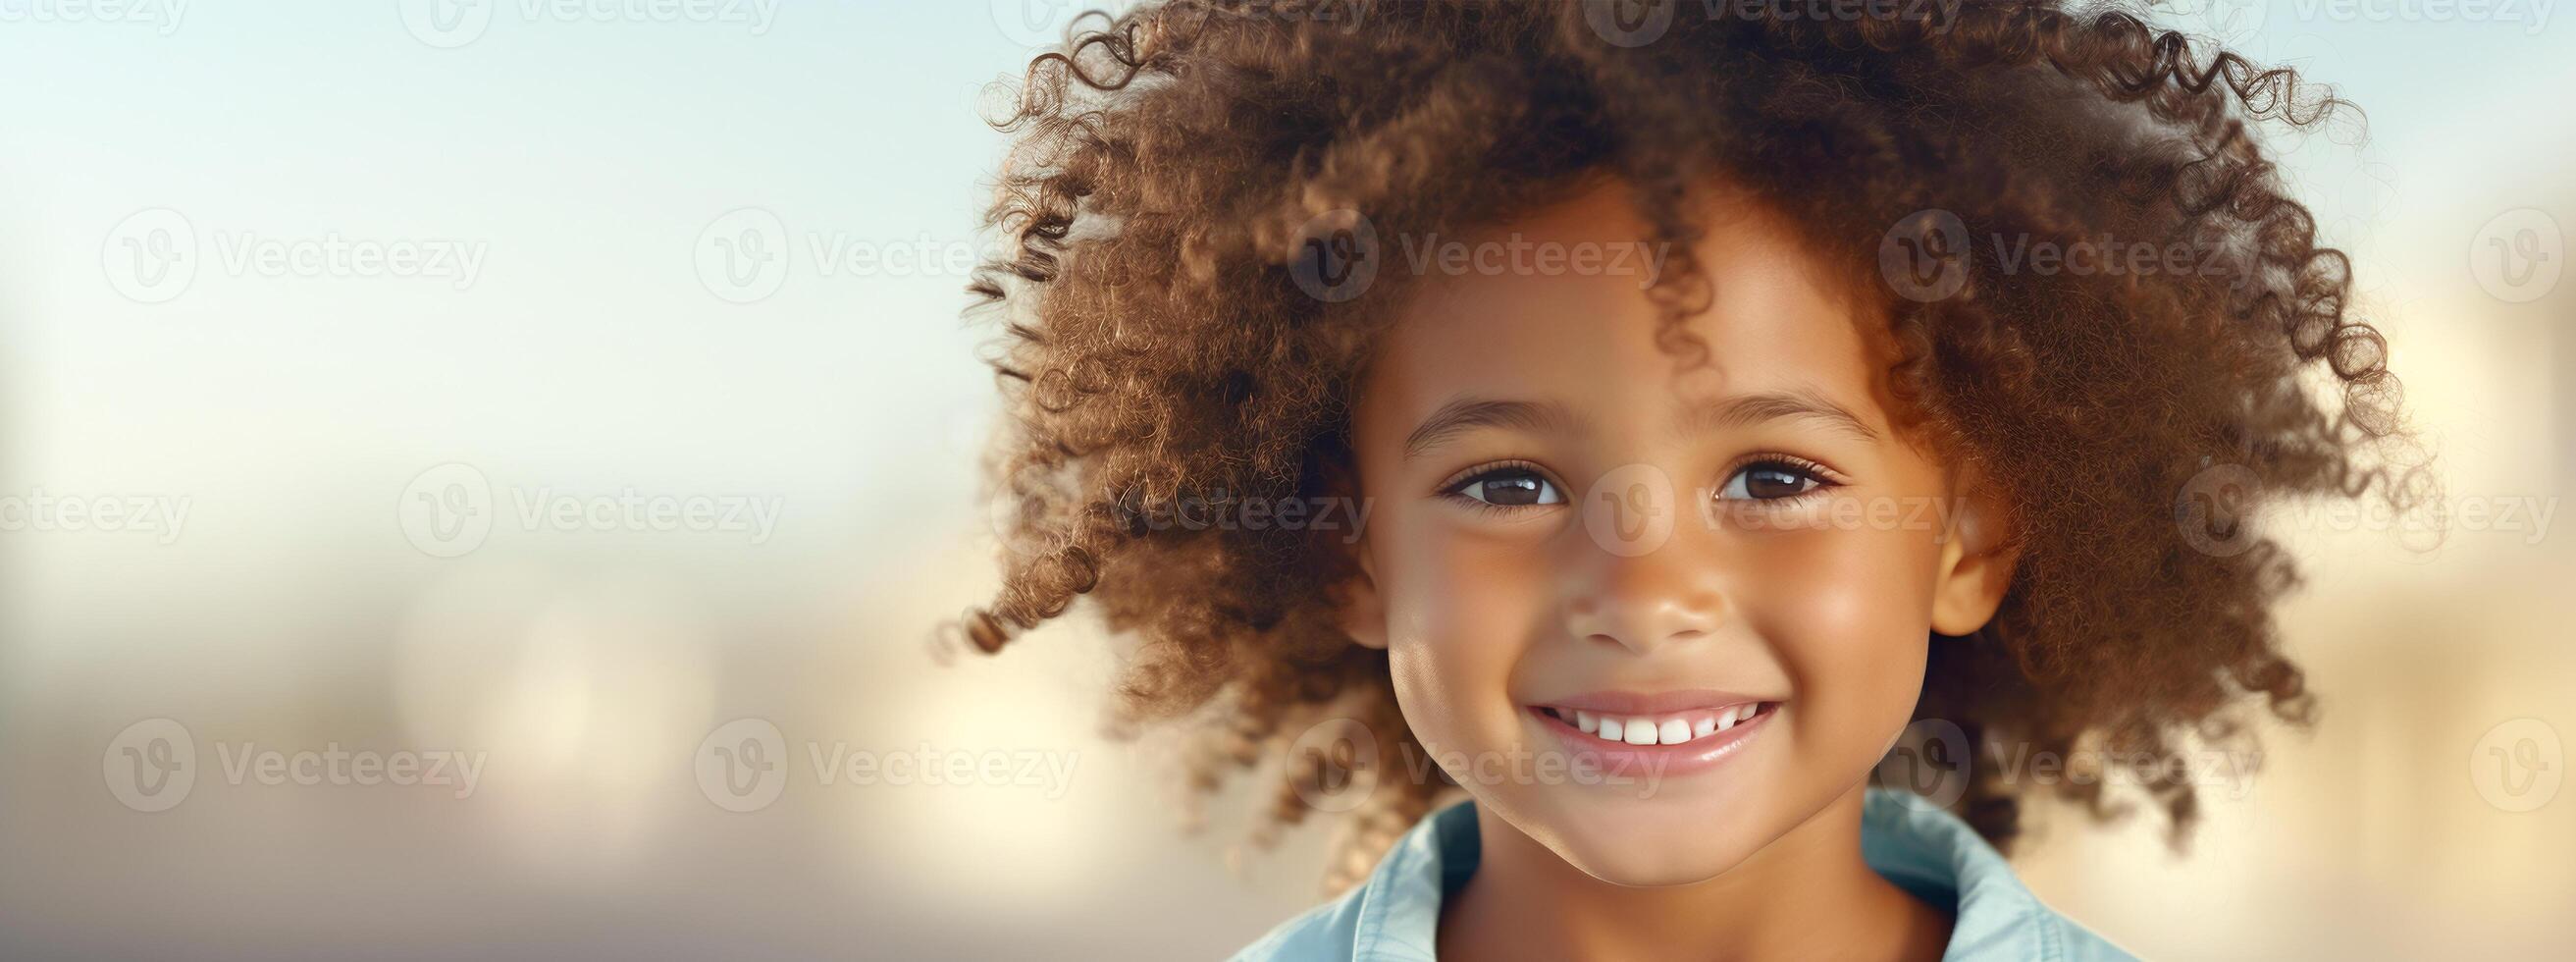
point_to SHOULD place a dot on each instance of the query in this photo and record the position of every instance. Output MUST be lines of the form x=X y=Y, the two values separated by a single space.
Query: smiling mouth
x=1665 y=728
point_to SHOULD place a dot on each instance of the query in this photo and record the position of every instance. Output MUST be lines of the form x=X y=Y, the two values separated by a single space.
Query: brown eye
x=1770 y=481
x=1510 y=488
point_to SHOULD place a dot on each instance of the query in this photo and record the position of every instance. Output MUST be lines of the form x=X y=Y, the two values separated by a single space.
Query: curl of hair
x=1156 y=348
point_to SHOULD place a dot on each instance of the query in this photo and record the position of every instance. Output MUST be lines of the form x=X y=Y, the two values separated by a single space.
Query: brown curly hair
x=1157 y=345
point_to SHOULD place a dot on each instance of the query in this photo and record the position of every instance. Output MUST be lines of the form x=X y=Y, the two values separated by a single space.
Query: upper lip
x=1650 y=703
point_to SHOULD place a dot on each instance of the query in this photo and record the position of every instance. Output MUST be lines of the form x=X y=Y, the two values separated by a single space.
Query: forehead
x=1576 y=325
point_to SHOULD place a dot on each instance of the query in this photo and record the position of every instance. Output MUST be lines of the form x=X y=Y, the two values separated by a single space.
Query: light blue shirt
x=1395 y=915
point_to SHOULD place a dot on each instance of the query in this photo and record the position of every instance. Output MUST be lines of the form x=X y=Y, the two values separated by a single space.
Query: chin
x=1650 y=842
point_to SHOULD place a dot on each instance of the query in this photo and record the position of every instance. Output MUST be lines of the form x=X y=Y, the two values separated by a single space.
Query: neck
x=1807 y=894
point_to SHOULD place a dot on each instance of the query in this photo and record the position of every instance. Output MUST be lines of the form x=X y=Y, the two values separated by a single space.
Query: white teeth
x=1638 y=731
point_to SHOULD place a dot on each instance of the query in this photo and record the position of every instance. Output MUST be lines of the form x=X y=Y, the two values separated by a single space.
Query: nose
x=1643 y=601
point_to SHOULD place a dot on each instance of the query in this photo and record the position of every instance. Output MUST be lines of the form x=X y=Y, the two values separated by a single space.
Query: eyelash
x=1823 y=477
x=1456 y=487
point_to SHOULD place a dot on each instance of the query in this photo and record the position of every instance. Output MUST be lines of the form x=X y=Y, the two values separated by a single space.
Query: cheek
x=1848 y=612
x=1460 y=612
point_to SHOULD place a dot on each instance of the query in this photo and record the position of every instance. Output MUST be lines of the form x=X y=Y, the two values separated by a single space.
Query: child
x=1714 y=397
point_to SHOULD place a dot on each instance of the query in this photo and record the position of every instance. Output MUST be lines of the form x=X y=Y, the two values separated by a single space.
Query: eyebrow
x=1803 y=403
x=1465 y=414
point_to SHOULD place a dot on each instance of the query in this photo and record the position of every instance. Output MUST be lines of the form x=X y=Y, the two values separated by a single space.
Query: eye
x=1507 y=486
x=1772 y=479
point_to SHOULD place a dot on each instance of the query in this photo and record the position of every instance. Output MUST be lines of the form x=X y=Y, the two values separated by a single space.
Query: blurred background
x=478 y=477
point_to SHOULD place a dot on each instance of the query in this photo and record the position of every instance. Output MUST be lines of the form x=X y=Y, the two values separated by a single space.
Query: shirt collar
x=1906 y=839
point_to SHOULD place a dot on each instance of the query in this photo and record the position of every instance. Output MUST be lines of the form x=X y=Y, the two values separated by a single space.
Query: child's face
x=1658 y=545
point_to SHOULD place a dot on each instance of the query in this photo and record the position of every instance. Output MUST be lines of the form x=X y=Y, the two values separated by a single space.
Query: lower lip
x=1690 y=757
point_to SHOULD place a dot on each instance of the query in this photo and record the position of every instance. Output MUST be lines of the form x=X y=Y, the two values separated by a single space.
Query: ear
x=1978 y=553
x=1357 y=606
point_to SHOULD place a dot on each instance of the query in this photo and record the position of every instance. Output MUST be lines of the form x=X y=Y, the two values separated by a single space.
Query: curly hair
x=1157 y=346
